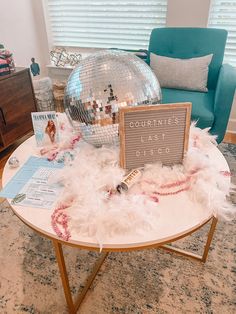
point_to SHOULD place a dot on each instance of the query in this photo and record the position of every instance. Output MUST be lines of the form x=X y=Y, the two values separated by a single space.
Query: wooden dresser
x=17 y=101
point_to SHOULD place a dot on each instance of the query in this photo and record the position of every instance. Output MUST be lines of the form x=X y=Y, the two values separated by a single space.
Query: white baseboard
x=231 y=128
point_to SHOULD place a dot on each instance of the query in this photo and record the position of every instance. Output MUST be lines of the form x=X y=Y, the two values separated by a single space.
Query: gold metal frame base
x=201 y=258
x=73 y=306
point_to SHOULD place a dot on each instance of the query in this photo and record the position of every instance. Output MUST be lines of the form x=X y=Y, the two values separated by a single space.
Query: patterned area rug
x=141 y=282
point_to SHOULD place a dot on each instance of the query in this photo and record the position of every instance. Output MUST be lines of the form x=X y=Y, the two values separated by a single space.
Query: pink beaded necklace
x=59 y=222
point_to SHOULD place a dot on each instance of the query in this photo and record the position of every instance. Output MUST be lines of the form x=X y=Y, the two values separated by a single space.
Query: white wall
x=187 y=13
x=232 y=119
x=22 y=31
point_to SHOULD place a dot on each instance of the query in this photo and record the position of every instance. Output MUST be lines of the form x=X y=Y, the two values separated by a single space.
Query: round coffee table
x=176 y=221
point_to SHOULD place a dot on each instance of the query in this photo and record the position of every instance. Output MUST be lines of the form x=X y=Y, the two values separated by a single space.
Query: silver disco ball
x=101 y=84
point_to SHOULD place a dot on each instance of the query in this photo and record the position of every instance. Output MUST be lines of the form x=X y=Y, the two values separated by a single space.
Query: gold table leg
x=202 y=257
x=74 y=306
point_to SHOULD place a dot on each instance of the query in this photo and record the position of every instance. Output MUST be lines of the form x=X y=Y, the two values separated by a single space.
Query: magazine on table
x=31 y=186
x=45 y=128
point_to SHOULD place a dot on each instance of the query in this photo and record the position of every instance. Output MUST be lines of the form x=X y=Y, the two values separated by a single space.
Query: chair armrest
x=224 y=96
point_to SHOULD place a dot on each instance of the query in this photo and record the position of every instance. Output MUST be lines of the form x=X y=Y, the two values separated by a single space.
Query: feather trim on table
x=94 y=209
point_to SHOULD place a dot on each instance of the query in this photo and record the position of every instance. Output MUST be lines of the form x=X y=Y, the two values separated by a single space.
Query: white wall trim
x=231 y=126
x=47 y=24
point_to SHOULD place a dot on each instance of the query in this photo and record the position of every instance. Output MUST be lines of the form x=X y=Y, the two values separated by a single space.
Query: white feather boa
x=95 y=171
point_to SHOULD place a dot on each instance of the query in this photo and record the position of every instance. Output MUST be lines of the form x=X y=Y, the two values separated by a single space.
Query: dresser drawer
x=16 y=104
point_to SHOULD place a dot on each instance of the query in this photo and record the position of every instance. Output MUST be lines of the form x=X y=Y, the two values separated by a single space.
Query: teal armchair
x=210 y=109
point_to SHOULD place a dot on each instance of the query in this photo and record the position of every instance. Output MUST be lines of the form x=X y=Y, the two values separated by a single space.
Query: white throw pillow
x=189 y=74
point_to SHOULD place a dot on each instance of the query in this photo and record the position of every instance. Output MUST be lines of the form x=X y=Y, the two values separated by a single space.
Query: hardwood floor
x=5 y=154
x=230 y=138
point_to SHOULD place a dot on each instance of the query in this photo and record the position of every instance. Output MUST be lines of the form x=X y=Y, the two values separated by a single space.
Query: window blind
x=124 y=24
x=223 y=15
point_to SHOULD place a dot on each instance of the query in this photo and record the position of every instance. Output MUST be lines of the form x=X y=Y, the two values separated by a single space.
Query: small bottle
x=129 y=180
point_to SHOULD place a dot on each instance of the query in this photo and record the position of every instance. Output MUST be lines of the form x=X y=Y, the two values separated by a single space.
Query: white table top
x=177 y=214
